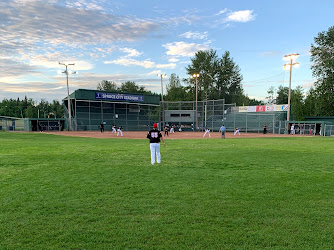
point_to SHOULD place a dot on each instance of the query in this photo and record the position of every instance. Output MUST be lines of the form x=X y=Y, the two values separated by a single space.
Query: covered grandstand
x=133 y=112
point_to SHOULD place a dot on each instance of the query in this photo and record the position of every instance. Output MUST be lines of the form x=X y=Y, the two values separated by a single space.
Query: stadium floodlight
x=67 y=72
x=288 y=66
x=162 y=99
x=196 y=75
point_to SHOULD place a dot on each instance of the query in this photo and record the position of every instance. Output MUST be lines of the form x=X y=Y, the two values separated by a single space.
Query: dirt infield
x=177 y=135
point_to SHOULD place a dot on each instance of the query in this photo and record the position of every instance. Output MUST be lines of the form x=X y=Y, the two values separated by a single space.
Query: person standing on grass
x=223 y=130
x=102 y=127
x=154 y=136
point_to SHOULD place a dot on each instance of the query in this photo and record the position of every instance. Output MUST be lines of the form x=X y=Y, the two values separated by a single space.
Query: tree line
x=28 y=108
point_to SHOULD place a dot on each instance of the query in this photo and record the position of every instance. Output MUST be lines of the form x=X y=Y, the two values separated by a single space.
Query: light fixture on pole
x=68 y=92
x=196 y=75
x=288 y=66
x=162 y=99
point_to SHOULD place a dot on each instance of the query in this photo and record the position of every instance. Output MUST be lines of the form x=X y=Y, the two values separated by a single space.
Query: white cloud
x=166 y=66
x=178 y=49
x=131 y=52
x=154 y=73
x=221 y=12
x=146 y=63
x=173 y=59
x=242 y=16
x=128 y=62
x=195 y=35
x=51 y=60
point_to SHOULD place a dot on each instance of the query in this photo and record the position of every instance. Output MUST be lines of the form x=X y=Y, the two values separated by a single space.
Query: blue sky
x=125 y=40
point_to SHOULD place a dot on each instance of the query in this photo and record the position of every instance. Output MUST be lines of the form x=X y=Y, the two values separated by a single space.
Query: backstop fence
x=210 y=114
x=89 y=114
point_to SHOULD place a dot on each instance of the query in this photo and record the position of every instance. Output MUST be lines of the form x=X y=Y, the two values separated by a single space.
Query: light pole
x=68 y=92
x=288 y=66
x=162 y=100
x=196 y=75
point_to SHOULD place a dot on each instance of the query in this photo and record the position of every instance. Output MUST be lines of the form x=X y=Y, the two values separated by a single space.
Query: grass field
x=83 y=193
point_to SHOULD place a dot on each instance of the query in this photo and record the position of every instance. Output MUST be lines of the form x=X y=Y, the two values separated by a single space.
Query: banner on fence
x=263 y=108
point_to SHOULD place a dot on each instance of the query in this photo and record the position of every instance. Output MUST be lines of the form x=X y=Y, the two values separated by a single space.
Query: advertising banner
x=282 y=107
x=261 y=108
x=270 y=108
x=243 y=108
x=251 y=109
x=119 y=97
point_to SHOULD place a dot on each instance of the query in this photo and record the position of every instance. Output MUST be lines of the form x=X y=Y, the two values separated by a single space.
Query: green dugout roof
x=114 y=96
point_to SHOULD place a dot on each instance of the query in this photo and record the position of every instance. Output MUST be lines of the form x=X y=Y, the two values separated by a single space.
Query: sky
x=124 y=40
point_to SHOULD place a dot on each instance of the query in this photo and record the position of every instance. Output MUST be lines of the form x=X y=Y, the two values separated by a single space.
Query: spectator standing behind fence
x=102 y=127
x=264 y=129
x=223 y=130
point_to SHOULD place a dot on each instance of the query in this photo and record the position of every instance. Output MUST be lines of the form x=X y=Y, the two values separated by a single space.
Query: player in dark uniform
x=166 y=130
x=154 y=136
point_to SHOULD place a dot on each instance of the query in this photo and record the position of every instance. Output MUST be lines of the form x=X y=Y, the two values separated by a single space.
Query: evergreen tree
x=322 y=56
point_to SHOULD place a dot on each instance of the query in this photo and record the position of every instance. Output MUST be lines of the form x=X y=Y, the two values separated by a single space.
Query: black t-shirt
x=154 y=135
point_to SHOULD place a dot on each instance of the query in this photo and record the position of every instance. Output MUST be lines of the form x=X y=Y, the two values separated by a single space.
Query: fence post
x=246 y=122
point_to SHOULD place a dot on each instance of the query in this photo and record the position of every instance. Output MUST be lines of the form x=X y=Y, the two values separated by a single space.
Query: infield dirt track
x=177 y=135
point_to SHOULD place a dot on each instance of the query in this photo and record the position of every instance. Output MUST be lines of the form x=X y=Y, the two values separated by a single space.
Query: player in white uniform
x=114 y=129
x=119 y=130
x=207 y=131
x=155 y=135
x=293 y=129
x=172 y=129
x=236 y=131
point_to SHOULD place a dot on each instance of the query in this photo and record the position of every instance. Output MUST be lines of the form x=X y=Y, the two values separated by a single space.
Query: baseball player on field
x=114 y=129
x=207 y=131
x=119 y=130
x=236 y=131
x=154 y=136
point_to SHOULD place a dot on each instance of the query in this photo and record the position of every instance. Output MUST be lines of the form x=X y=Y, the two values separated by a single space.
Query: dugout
x=181 y=118
x=11 y=123
x=44 y=124
x=133 y=112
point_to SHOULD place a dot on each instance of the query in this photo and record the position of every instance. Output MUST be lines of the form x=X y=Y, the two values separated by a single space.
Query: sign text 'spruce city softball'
x=119 y=97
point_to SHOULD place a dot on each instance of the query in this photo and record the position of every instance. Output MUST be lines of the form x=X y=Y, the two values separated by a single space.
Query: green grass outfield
x=83 y=193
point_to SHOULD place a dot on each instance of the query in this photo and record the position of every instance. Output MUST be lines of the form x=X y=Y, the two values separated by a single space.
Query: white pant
x=119 y=131
x=113 y=130
x=155 y=148
x=206 y=132
x=237 y=131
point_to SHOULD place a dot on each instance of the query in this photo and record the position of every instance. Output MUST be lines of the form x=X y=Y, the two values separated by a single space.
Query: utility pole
x=68 y=93
x=288 y=66
x=196 y=75
x=162 y=100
